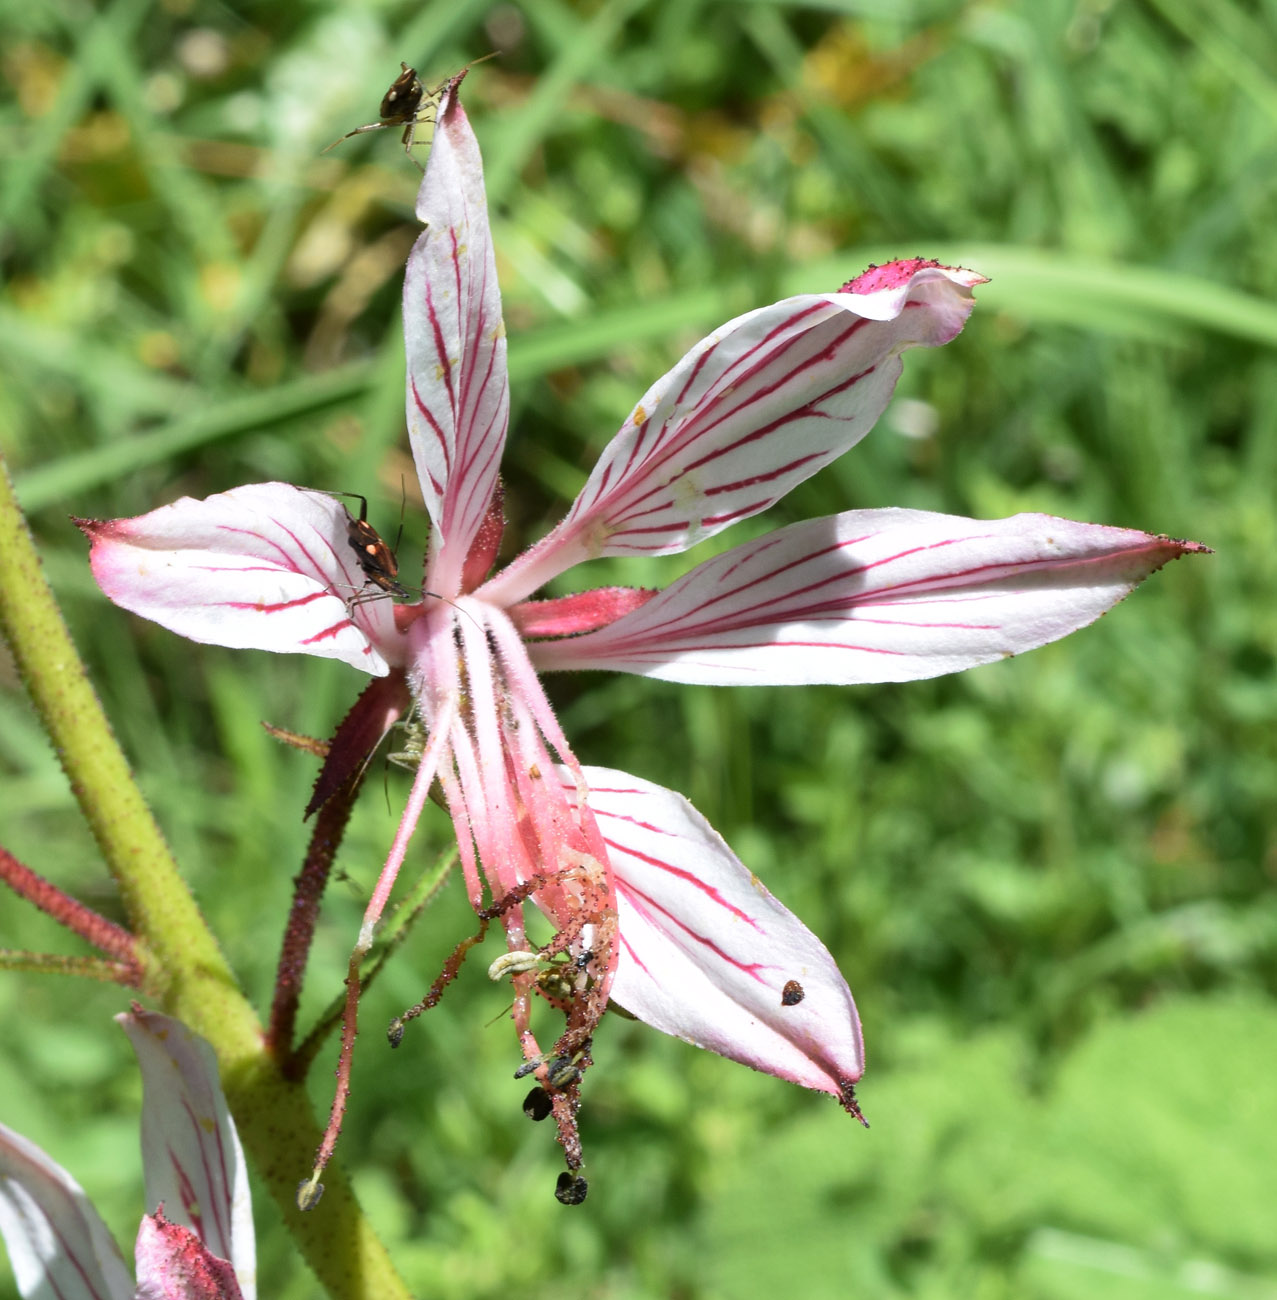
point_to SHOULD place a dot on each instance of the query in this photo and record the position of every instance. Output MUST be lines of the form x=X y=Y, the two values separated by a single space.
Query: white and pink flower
x=650 y=906
x=196 y=1242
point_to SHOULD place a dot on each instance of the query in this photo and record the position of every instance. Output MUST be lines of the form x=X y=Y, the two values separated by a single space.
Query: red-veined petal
x=458 y=389
x=706 y=952
x=58 y=1244
x=190 y=1152
x=754 y=409
x=267 y=566
x=874 y=596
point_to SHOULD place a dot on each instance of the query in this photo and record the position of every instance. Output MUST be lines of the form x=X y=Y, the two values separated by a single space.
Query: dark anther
x=537 y=1104
x=308 y=1194
x=792 y=994
x=570 y=1189
x=562 y=1072
x=396 y=1031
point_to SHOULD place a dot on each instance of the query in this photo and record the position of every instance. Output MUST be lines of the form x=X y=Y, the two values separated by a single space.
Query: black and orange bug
x=376 y=559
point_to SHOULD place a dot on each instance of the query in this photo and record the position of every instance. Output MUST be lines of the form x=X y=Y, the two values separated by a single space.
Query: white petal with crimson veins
x=458 y=388
x=190 y=1152
x=267 y=566
x=58 y=1244
x=757 y=407
x=873 y=596
x=706 y=952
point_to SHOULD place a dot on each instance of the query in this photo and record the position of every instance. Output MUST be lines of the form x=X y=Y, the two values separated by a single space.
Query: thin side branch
x=129 y=974
x=107 y=937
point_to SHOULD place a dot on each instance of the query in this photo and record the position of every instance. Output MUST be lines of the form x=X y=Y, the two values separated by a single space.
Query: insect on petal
x=267 y=566
x=458 y=388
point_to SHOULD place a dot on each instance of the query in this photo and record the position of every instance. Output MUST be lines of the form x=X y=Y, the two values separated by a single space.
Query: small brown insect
x=376 y=559
x=792 y=994
x=406 y=103
x=400 y=106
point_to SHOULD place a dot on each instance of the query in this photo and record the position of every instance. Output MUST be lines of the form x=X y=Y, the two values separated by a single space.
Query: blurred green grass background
x=1049 y=882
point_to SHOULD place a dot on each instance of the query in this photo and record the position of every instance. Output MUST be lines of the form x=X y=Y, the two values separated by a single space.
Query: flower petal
x=173 y=1264
x=58 y=1244
x=266 y=567
x=191 y=1155
x=458 y=388
x=707 y=953
x=757 y=407
x=874 y=596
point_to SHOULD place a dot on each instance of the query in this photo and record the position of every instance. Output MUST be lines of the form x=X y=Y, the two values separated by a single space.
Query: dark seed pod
x=792 y=994
x=537 y=1104
x=570 y=1189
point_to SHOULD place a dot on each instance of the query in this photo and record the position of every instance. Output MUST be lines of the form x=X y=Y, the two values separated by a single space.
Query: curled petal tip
x=895 y=275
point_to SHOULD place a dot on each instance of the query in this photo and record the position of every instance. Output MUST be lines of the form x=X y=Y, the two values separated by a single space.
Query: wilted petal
x=874 y=596
x=191 y=1155
x=757 y=407
x=706 y=952
x=266 y=567
x=173 y=1264
x=458 y=390
x=58 y=1244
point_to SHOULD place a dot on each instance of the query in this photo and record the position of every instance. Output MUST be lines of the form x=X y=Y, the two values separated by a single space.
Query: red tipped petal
x=569 y=615
x=707 y=954
x=757 y=407
x=265 y=567
x=874 y=596
x=458 y=390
